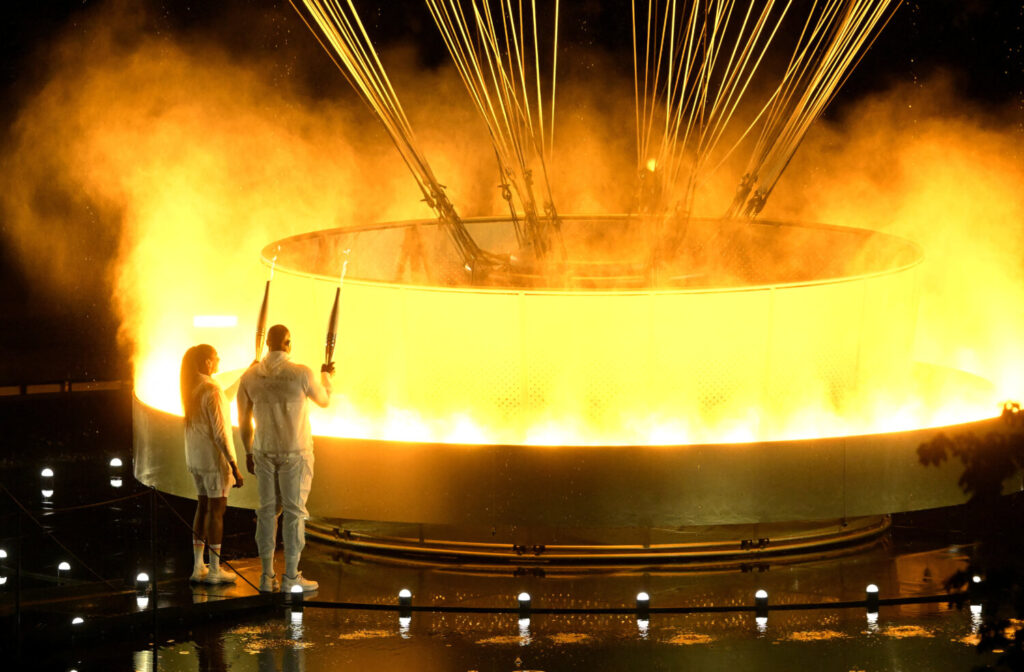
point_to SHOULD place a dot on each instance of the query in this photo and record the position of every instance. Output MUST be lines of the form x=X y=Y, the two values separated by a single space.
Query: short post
x=761 y=603
x=871 y=598
x=18 y=552
x=524 y=604
x=643 y=606
x=405 y=603
x=154 y=564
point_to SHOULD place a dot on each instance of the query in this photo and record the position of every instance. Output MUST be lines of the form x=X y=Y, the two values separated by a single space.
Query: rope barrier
x=220 y=558
x=52 y=512
x=82 y=507
x=28 y=514
x=460 y=609
x=804 y=606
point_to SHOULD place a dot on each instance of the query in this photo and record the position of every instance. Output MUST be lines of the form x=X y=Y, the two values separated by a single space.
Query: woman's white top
x=208 y=444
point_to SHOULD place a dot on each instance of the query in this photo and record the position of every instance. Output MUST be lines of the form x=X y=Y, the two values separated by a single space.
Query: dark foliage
x=990 y=462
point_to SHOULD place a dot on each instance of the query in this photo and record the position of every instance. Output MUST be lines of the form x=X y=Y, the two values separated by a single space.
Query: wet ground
x=459 y=620
x=348 y=640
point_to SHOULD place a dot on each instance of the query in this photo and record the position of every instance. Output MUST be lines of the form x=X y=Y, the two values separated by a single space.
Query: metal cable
x=208 y=547
x=452 y=609
x=28 y=514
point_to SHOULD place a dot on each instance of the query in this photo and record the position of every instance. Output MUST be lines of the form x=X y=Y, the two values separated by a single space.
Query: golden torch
x=261 y=321
x=332 y=321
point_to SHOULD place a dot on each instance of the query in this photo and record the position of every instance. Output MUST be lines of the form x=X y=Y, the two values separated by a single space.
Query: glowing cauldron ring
x=501 y=487
x=494 y=490
x=509 y=355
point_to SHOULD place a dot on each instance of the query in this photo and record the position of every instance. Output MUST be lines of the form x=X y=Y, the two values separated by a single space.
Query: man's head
x=279 y=338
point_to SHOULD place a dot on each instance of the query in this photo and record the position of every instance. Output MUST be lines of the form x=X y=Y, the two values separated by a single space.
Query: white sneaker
x=220 y=575
x=298 y=580
x=269 y=584
x=199 y=573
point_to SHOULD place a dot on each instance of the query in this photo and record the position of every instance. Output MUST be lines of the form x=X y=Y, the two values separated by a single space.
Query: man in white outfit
x=274 y=391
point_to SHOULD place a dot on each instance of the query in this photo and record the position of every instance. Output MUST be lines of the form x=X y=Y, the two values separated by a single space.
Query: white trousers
x=283 y=481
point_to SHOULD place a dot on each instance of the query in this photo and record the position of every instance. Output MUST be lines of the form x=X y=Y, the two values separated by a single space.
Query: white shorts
x=213 y=483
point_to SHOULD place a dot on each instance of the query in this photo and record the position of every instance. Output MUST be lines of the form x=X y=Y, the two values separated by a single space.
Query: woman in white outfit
x=209 y=456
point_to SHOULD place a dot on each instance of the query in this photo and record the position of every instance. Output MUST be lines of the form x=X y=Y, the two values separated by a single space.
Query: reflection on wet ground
x=349 y=640
x=925 y=636
x=807 y=624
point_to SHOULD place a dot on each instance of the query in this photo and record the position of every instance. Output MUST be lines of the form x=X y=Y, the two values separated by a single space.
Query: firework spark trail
x=344 y=38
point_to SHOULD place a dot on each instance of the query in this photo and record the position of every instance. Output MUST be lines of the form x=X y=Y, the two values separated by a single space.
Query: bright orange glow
x=569 y=367
x=169 y=167
x=215 y=321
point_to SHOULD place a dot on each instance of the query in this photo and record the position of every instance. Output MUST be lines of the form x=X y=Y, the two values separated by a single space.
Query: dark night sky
x=979 y=42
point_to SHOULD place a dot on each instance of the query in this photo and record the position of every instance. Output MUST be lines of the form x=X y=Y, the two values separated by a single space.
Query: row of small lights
x=643 y=606
x=643 y=603
x=643 y=600
x=116 y=477
x=46 y=477
x=64 y=567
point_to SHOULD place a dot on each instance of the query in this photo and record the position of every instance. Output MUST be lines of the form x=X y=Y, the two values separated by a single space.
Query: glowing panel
x=821 y=347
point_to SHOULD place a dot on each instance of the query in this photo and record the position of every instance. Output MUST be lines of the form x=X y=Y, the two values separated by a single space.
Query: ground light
x=296 y=611
x=524 y=605
x=404 y=604
x=46 y=478
x=871 y=598
x=116 y=478
x=761 y=603
x=62 y=571
x=142 y=589
x=643 y=605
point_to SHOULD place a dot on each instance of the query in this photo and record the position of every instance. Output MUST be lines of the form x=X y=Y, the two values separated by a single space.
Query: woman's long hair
x=190 y=363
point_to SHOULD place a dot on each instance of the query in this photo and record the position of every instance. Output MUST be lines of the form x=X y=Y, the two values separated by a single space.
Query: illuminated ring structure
x=831 y=316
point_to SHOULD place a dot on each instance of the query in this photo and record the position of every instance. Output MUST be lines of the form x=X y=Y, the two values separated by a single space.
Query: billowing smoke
x=145 y=161
x=919 y=162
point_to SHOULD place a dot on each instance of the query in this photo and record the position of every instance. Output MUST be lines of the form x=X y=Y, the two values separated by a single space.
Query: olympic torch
x=332 y=322
x=261 y=322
